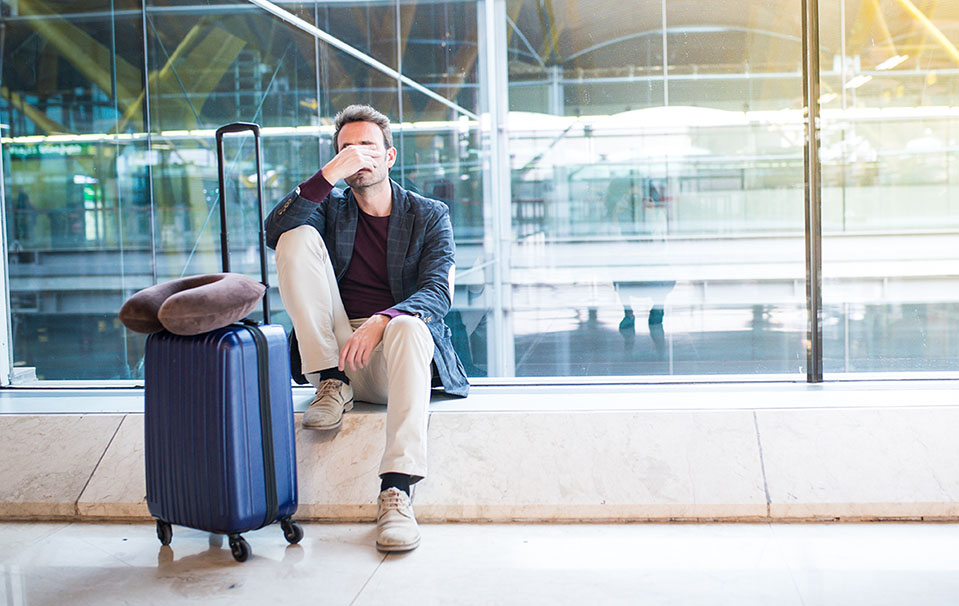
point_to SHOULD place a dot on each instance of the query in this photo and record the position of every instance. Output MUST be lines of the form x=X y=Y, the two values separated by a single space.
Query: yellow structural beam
x=862 y=26
x=513 y=9
x=936 y=33
x=89 y=56
x=927 y=9
x=204 y=67
x=45 y=123
x=550 y=47
x=885 y=29
x=38 y=117
x=200 y=60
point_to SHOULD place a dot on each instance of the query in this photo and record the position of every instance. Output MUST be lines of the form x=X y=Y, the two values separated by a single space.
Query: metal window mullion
x=813 y=186
x=316 y=65
x=498 y=237
x=118 y=216
x=399 y=90
x=6 y=311
x=665 y=58
x=148 y=127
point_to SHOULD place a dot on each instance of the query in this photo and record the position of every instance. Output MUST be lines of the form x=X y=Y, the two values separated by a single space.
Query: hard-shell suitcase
x=219 y=436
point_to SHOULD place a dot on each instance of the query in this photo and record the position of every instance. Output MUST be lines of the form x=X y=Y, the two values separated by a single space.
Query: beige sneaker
x=333 y=398
x=396 y=527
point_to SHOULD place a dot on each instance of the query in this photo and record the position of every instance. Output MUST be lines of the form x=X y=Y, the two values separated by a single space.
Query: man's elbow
x=272 y=237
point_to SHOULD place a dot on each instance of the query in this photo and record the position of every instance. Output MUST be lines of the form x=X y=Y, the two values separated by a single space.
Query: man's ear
x=390 y=157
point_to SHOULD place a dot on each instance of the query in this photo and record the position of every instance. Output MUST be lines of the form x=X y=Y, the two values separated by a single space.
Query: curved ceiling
x=595 y=34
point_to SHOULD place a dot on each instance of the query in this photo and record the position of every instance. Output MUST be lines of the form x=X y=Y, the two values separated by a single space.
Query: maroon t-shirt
x=365 y=287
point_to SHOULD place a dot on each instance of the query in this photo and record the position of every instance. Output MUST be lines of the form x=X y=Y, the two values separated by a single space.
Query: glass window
x=108 y=193
x=657 y=189
x=77 y=212
x=890 y=135
x=643 y=217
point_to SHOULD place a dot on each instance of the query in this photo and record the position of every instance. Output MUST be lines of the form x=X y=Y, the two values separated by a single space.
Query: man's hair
x=362 y=113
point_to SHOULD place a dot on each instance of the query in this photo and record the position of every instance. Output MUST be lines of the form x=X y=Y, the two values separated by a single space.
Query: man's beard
x=364 y=180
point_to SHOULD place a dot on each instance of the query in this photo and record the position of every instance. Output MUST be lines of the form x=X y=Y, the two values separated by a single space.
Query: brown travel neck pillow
x=193 y=305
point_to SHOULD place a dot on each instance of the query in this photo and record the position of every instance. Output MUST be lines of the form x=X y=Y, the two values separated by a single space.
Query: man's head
x=362 y=125
x=362 y=113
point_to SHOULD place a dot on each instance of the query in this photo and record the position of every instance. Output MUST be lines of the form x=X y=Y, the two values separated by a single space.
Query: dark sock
x=395 y=480
x=656 y=315
x=334 y=373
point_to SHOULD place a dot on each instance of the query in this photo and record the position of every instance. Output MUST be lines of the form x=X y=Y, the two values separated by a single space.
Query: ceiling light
x=858 y=81
x=892 y=62
x=827 y=98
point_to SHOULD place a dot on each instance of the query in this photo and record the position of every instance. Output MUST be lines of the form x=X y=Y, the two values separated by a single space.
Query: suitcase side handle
x=239 y=127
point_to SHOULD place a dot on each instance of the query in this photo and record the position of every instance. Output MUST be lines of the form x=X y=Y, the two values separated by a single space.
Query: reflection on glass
x=75 y=216
x=109 y=164
x=657 y=190
x=654 y=222
x=890 y=197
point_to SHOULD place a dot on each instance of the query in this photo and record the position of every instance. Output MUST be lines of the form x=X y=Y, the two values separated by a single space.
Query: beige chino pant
x=398 y=373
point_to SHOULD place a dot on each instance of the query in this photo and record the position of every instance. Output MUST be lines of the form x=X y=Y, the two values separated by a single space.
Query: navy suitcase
x=219 y=436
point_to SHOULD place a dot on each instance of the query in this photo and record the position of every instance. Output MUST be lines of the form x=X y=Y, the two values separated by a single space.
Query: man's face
x=367 y=134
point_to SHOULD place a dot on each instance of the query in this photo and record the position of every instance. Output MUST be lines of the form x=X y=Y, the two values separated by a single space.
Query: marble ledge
x=566 y=513
x=864 y=512
x=618 y=466
x=38 y=511
x=47 y=461
x=553 y=513
x=556 y=513
x=861 y=464
x=117 y=489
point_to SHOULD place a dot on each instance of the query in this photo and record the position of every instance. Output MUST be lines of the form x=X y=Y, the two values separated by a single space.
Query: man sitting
x=364 y=274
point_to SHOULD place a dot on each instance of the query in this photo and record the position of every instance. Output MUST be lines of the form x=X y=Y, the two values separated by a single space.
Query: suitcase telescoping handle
x=238 y=127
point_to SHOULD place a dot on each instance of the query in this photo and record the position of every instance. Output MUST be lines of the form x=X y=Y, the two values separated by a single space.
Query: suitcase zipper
x=266 y=421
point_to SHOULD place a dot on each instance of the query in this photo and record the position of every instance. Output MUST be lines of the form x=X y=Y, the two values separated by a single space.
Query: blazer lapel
x=346 y=235
x=398 y=240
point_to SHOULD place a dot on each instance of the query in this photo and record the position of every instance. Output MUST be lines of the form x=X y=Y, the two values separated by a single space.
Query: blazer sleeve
x=432 y=299
x=293 y=211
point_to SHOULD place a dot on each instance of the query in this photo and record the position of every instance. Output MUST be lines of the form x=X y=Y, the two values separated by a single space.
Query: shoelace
x=393 y=500
x=328 y=388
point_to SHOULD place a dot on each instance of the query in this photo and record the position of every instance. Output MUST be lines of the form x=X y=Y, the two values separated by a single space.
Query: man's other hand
x=359 y=347
x=350 y=161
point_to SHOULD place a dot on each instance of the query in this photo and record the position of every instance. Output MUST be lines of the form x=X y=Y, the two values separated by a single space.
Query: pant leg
x=399 y=374
x=312 y=298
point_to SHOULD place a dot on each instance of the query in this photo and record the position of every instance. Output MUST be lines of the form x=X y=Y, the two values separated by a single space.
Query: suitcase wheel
x=164 y=532
x=239 y=548
x=292 y=531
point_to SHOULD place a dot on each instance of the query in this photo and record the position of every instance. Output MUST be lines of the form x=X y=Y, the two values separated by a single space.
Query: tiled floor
x=807 y=564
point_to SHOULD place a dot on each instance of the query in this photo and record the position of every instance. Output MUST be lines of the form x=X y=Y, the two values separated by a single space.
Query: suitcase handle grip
x=239 y=127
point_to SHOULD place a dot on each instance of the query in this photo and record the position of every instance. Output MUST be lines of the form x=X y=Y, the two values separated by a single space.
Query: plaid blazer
x=419 y=257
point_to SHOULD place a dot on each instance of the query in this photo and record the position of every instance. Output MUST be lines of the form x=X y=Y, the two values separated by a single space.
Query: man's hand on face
x=359 y=347
x=349 y=161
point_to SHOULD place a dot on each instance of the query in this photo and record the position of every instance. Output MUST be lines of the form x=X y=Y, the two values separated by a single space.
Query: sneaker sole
x=395 y=548
x=346 y=408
